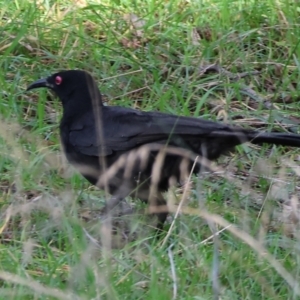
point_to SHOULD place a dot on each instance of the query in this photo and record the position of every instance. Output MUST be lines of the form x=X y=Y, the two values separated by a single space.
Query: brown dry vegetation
x=234 y=231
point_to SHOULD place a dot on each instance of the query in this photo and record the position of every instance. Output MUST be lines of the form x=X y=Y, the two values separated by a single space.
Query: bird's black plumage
x=94 y=137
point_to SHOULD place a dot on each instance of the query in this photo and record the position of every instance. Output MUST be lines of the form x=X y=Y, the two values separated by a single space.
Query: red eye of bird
x=58 y=80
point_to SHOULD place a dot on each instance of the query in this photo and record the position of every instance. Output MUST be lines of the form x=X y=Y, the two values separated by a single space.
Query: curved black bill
x=38 y=84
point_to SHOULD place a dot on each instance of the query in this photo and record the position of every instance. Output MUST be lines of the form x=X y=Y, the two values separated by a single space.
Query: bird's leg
x=116 y=207
x=109 y=207
x=159 y=209
x=113 y=202
x=110 y=225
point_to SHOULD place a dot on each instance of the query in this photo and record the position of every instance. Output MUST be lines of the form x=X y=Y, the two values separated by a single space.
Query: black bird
x=96 y=137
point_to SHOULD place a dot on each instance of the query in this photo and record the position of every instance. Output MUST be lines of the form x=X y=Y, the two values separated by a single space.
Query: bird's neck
x=80 y=103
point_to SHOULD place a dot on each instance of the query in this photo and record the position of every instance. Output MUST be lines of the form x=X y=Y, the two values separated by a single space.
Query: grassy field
x=238 y=233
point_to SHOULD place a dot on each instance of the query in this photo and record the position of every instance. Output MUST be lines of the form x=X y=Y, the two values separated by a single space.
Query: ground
x=237 y=233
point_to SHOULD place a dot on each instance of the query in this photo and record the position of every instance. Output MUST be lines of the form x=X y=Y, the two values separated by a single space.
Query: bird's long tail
x=284 y=139
x=255 y=137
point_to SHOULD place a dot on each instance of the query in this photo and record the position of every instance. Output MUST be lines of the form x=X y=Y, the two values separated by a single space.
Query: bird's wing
x=124 y=129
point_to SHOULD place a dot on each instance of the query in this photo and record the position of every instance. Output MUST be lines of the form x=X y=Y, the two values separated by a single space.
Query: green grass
x=149 y=55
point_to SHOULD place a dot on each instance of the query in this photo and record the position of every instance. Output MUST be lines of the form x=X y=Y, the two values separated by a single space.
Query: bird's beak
x=39 y=83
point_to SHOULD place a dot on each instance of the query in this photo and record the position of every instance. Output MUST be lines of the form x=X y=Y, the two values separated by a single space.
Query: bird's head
x=70 y=85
